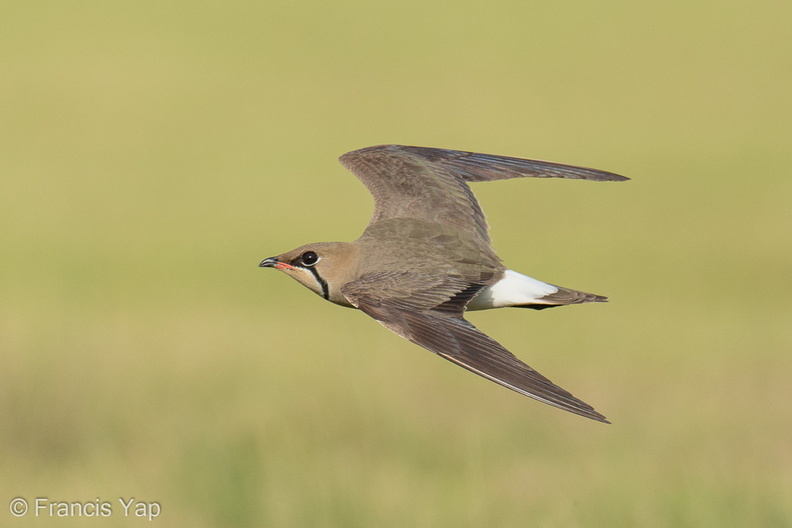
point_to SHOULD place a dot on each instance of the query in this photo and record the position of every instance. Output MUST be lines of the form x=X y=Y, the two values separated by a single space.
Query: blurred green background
x=152 y=153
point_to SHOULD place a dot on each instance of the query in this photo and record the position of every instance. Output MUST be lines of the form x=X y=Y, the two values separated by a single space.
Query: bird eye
x=309 y=258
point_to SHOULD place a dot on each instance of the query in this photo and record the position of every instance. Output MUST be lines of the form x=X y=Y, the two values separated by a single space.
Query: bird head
x=322 y=267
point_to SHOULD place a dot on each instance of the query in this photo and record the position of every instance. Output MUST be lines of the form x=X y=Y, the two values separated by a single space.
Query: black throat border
x=322 y=283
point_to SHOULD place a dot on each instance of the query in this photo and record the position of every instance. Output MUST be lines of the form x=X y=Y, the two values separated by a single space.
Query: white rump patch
x=514 y=289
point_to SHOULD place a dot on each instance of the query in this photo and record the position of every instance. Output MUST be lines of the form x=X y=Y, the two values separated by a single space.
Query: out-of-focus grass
x=153 y=153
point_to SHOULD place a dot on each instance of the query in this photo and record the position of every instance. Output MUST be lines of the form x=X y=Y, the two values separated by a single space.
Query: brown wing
x=432 y=318
x=430 y=183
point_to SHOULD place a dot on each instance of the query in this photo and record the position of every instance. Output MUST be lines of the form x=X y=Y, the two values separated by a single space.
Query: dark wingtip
x=597 y=417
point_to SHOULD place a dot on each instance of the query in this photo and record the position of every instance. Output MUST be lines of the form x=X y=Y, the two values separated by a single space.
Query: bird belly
x=514 y=289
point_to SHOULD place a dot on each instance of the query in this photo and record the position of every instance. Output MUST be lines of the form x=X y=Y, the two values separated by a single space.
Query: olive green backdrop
x=152 y=153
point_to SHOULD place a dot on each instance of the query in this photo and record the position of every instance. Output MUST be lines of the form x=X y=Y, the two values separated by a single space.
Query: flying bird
x=426 y=258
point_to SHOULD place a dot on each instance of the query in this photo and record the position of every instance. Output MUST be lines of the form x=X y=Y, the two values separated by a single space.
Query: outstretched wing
x=431 y=184
x=432 y=318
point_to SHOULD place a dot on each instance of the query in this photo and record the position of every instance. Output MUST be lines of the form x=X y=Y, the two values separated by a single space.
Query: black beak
x=269 y=262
